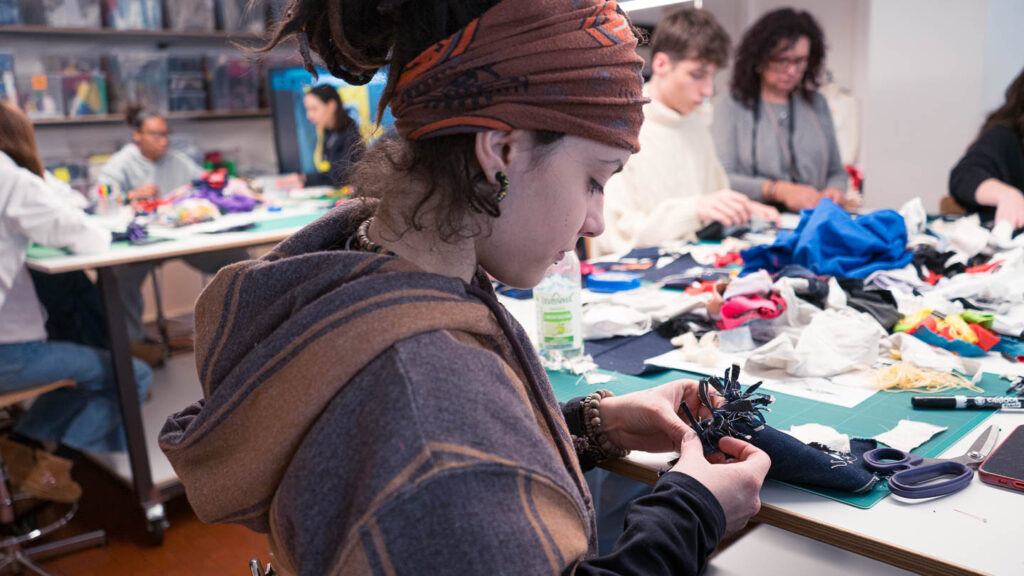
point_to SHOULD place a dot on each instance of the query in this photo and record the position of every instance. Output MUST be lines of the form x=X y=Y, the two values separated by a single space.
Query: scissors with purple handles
x=915 y=477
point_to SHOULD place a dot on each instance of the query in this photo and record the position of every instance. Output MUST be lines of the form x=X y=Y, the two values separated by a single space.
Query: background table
x=177 y=385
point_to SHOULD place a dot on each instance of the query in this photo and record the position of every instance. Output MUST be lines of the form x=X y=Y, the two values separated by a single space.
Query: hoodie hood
x=277 y=339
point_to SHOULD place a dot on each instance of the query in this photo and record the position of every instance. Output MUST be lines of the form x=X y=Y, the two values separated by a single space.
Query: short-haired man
x=675 y=185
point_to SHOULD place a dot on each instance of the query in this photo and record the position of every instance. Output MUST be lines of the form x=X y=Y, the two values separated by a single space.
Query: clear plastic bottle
x=559 y=309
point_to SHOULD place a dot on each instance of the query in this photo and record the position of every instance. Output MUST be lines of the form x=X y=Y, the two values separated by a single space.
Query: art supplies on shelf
x=238 y=16
x=133 y=14
x=61 y=13
x=85 y=94
x=44 y=98
x=9 y=13
x=137 y=79
x=186 y=83
x=8 y=86
x=233 y=83
x=191 y=16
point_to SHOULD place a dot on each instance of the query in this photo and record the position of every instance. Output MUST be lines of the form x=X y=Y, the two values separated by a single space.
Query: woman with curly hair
x=989 y=179
x=368 y=402
x=773 y=132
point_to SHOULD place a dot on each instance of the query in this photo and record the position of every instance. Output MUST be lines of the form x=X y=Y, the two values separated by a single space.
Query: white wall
x=1004 y=51
x=924 y=89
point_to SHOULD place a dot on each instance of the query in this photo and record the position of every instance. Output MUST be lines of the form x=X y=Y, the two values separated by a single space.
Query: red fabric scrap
x=984 y=267
x=723 y=260
x=986 y=339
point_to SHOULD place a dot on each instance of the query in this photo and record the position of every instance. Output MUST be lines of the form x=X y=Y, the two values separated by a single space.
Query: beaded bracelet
x=595 y=428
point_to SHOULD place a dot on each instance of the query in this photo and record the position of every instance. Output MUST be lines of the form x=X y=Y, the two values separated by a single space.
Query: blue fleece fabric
x=829 y=242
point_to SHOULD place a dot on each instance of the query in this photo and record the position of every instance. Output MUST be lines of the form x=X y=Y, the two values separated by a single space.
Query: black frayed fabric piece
x=816 y=291
x=683 y=323
x=716 y=232
x=927 y=259
x=741 y=409
x=880 y=304
x=792 y=460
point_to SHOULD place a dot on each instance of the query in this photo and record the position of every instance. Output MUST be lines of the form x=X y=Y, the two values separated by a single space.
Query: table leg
x=131 y=409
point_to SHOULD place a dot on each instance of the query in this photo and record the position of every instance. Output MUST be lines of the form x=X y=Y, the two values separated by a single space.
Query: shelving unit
x=73 y=139
x=159 y=36
x=171 y=116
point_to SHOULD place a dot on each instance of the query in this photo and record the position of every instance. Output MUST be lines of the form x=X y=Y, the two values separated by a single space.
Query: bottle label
x=559 y=327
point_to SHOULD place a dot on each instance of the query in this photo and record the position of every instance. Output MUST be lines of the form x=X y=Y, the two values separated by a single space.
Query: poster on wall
x=295 y=136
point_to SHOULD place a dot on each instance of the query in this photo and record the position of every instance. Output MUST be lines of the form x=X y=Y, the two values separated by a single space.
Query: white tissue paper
x=909 y=434
x=824 y=435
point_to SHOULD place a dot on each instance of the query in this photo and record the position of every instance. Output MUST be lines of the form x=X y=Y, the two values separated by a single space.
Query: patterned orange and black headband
x=562 y=65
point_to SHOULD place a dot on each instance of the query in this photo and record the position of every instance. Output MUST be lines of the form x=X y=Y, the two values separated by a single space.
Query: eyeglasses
x=156 y=135
x=784 y=64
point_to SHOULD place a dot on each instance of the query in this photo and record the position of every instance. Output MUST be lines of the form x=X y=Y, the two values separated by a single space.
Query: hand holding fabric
x=835 y=195
x=725 y=206
x=144 y=192
x=1011 y=208
x=736 y=482
x=797 y=197
x=648 y=419
x=765 y=212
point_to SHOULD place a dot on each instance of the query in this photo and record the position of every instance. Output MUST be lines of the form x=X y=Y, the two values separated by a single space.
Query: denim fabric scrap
x=808 y=465
x=626 y=354
x=792 y=460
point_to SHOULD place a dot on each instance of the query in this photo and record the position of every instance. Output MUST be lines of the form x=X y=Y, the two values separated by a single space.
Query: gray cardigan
x=814 y=143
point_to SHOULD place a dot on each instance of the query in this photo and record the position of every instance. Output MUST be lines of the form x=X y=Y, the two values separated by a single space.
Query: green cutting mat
x=879 y=413
x=37 y=252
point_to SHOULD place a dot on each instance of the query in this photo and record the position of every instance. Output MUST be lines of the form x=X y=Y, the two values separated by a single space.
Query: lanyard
x=794 y=171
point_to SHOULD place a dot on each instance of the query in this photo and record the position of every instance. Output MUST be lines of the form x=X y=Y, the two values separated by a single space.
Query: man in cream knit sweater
x=675 y=185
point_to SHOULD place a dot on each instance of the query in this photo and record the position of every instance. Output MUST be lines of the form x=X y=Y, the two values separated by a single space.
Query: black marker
x=967 y=402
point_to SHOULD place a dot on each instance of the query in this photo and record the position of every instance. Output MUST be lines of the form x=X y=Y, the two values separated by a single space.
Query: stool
x=256 y=568
x=11 y=547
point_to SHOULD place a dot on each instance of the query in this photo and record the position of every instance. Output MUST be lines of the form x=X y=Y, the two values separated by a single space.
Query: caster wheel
x=156 y=532
x=156 y=523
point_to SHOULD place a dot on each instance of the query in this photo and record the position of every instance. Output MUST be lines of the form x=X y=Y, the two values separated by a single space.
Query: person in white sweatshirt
x=87 y=417
x=675 y=185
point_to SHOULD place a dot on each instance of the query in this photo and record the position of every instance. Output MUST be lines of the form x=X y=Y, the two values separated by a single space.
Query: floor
x=190 y=546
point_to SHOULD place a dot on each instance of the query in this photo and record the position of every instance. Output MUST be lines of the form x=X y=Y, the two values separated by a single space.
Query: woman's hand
x=736 y=482
x=797 y=197
x=836 y=195
x=649 y=420
x=144 y=192
x=289 y=182
x=1010 y=208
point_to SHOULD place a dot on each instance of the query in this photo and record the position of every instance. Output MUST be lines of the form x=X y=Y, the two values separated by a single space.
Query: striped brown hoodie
x=374 y=418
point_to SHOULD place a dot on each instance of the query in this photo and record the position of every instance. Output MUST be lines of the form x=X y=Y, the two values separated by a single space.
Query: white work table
x=974 y=531
x=138 y=466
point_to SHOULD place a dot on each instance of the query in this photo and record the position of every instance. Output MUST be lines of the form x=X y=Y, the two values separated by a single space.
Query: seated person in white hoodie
x=86 y=418
x=675 y=185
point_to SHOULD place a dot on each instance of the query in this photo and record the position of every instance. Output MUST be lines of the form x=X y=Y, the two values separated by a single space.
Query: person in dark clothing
x=989 y=179
x=339 y=144
x=407 y=425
